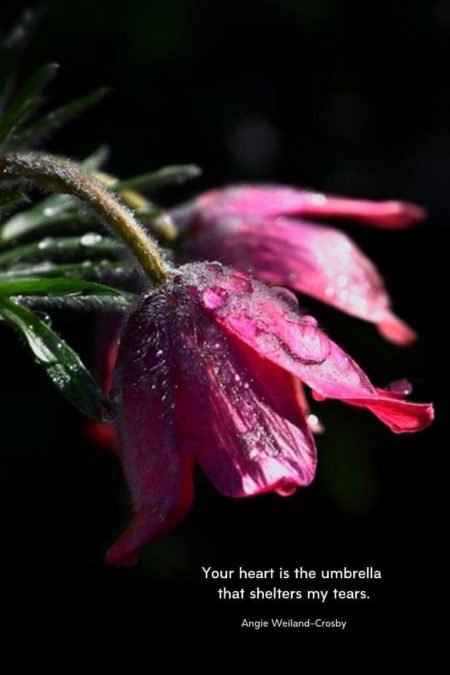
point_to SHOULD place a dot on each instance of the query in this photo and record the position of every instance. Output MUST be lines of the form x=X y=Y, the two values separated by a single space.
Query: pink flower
x=257 y=230
x=208 y=371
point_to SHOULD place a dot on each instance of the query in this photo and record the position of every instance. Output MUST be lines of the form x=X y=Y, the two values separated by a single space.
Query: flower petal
x=156 y=462
x=312 y=259
x=247 y=429
x=259 y=317
x=272 y=200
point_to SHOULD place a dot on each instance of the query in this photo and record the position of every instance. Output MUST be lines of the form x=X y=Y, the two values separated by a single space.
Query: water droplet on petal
x=215 y=267
x=286 y=296
x=317 y=198
x=400 y=387
x=238 y=283
x=286 y=489
x=314 y=424
x=309 y=320
x=214 y=297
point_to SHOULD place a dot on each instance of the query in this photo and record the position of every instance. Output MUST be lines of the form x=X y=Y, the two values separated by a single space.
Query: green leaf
x=86 y=269
x=62 y=365
x=26 y=100
x=120 y=303
x=156 y=179
x=55 y=119
x=52 y=286
x=47 y=214
x=89 y=245
x=96 y=159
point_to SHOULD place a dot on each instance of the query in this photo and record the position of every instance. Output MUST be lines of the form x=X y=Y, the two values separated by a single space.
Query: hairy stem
x=57 y=175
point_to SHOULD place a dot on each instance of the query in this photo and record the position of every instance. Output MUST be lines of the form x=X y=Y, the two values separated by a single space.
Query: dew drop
x=160 y=352
x=45 y=243
x=286 y=489
x=400 y=387
x=45 y=318
x=317 y=198
x=314 y=424
x=239 y=284
x=90 y=239
x=310 y=320
x=49 y=211
x=214 y=297
x=286 y=296
x=215 y=267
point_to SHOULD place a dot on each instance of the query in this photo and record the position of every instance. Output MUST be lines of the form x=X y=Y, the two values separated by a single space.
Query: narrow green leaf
x=54 y=120
x=118 y=303
x=89 y=245
x=26 y=100
x=156 y=179
x=87 y=269
x=48 y=214
x=62 y=365
x=96 y=159
x=52 y=286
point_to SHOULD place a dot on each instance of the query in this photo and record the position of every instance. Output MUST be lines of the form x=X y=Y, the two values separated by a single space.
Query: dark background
x=350 y=98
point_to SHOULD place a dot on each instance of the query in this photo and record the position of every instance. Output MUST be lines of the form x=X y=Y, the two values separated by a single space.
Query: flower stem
x=54 y=174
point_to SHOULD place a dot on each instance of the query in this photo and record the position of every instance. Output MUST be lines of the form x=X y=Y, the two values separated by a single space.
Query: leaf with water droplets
x=89 y=269
x=33 y=286
x=88 y=246
x=62 y=365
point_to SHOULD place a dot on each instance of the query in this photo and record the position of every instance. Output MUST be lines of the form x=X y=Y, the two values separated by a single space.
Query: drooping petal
x=246 y=427
x=257 y=316
x=156 y=462
x=272 y=200
x=312 y=259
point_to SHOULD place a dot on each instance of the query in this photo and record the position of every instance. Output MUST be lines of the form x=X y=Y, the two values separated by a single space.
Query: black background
x=350 y=98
